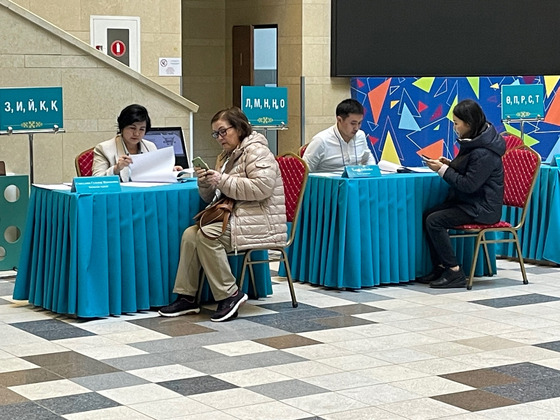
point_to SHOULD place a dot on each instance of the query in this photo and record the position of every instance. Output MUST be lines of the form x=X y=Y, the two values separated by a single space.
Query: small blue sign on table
x=264 y=105
x=96 y=184
x=522 y=102
x=31 y=108
x=361 y=171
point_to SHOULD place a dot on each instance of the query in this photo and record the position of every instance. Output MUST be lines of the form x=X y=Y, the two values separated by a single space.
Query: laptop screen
x=170 y=136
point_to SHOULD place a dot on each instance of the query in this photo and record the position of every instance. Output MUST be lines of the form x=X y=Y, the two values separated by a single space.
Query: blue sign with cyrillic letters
x=361 y=171
x=522 y=102
x=264 y=105
x=96 y=184
x=30 y=108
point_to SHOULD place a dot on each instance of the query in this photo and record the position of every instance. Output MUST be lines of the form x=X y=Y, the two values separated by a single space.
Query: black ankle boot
x=435 y=274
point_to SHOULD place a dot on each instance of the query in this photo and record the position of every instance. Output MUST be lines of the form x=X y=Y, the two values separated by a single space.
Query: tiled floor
x=396 y=352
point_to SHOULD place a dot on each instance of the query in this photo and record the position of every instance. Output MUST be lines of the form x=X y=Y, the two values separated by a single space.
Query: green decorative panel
x=14 y=199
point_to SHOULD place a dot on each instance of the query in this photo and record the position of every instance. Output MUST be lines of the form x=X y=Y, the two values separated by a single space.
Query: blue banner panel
x=31 y=108
x=265 y=105
x=522 y=101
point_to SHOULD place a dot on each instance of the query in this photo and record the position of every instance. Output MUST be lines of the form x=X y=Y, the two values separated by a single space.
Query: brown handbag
x=219 y=211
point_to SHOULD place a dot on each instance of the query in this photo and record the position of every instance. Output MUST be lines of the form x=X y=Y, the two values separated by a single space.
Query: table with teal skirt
x=367 y=232
x=94 y=255
x=540 y=235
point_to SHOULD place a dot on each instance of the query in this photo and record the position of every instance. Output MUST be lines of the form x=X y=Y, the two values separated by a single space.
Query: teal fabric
x=102 y=254
x=540 y=235
x=357 y=233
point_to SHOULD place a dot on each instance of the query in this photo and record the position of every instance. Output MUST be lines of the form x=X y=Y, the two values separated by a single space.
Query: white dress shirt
x=329 y=152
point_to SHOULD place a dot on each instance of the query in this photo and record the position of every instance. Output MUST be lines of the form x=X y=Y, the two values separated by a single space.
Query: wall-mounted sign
x=31 y=108
x=265 y=105
x=522 y=102
x=170 y=66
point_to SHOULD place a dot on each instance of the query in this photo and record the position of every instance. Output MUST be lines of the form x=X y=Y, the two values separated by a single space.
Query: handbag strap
x=224 y=226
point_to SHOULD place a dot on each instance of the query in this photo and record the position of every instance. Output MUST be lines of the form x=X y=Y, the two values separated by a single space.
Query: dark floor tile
x=552 y=345
x=27 y=376
x=290 y=325
x=52 y=329
x=475 y=400
x=528 y=371
x=77 y=403
x=525 y=392
x=191 y=355
x=10 y=397
x=287 y=341
x=287 y=389
x=355 y=309
x=70 y=364
x=198 y=385
x=286 y=307
x=138 y=361
x=480 y=378
x=505 y=302
x=6 y=288
x=26 y=411
x=343 y=321
x=4 y=302
x=175 y=327
x=109 y=381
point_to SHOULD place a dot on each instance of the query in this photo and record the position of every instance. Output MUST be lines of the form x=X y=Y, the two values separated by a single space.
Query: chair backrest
x=84 y=163
x=294 y=172
x=521 y=168
x=512 y=141
x=301 y=150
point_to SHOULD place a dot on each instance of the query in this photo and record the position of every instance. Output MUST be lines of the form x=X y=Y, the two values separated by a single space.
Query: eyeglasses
x=221 y=132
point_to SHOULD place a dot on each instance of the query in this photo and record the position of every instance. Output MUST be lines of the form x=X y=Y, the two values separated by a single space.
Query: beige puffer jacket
x=252 y=177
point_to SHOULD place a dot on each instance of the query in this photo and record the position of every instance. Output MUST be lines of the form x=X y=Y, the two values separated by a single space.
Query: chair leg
x=487 y=254
x=246 y=258
x=252 y=277
x=520 y=256
x=289 y=277
x=474 y=261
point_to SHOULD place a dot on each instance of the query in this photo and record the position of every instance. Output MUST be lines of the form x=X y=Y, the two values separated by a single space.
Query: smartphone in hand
x=424 y=157
x=199 y=163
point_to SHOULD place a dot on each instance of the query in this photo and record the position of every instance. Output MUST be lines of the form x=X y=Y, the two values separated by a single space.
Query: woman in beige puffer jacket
x=246 y=171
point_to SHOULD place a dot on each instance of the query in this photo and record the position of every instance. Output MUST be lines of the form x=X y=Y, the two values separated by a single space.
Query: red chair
x=294 y=172
x=301 y=150
x=521 y=168
x=84 y=163
x=512 y=141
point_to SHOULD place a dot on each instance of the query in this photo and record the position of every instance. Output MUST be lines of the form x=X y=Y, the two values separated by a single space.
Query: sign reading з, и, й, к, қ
x=264 y=105
x=30 y=108
x=522 y=102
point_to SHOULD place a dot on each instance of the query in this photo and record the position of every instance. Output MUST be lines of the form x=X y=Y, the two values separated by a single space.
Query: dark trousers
x=436 y=222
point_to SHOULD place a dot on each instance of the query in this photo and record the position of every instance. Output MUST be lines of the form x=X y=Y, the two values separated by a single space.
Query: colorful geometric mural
x=408 y=116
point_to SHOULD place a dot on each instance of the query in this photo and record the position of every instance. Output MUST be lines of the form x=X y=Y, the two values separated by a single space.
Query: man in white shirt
x=342 y=144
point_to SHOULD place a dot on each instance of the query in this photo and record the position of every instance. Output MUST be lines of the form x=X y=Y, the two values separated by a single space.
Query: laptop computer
x=170 y=136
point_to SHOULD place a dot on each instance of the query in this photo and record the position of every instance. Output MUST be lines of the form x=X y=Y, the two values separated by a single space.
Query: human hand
x=433 y=164
x=177 y=168
x=122 y=162
x=444 y=160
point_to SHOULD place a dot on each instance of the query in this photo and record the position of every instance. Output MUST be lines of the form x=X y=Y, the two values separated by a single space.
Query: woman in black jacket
x=476 y=178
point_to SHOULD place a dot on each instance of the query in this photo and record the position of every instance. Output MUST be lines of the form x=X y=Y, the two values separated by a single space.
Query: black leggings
x=436 y=222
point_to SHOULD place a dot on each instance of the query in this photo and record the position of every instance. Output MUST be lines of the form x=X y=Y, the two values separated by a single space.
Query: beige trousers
x=211 y=254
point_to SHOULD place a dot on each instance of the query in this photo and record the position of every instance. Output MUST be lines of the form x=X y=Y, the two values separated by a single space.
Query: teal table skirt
x=357 y=233
x=540 y=235
x=94 y=255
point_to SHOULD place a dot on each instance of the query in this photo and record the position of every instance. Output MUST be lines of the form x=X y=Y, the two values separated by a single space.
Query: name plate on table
x=361 y=171
x=96 y=184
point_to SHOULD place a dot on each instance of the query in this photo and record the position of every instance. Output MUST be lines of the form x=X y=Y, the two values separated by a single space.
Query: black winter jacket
x=476 y=176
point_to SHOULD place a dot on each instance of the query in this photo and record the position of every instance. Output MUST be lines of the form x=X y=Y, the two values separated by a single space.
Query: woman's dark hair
x=347 y=107
x=471 y=113
x=236 y=118
x=132 y=114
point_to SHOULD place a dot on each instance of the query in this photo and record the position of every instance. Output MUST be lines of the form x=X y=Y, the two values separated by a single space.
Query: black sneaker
x=450 y=279
x=181 y=306
x=435 y=274
x=228 y=307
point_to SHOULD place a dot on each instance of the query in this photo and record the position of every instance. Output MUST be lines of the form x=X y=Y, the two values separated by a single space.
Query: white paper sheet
x=64 y=187
x=156 y=166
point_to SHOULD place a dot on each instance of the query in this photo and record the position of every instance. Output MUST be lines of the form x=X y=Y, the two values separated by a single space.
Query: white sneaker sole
x=233 y=310
x=174 y=314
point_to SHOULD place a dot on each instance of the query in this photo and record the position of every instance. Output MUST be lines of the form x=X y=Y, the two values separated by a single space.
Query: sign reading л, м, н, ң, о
x=522 y=102
x=264 y=105
x=31 y=108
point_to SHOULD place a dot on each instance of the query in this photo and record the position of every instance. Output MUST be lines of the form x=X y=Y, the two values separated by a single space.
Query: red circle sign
x=118 y=48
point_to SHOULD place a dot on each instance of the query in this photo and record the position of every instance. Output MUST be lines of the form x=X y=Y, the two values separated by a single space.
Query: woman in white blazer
x=113 y=156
